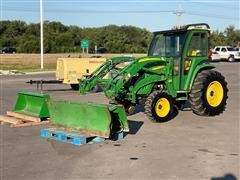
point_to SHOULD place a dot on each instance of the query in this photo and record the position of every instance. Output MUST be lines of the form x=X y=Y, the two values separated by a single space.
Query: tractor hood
x=153 y=62
x=151 y=58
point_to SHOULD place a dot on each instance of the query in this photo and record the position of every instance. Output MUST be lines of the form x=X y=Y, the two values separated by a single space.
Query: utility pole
x=41 y=31
x=179 y=13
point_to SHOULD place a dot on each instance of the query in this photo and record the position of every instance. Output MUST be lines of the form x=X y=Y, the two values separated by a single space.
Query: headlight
x=127 y=77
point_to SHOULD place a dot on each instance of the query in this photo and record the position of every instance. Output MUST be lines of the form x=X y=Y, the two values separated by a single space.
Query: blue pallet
x=72 y=138
x=75 y=138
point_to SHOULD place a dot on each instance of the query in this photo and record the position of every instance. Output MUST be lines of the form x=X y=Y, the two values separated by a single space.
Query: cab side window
x=217 y=49
x=224 y=50
x=197 y=46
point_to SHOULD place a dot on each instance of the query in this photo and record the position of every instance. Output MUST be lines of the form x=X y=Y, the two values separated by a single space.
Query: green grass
x=28 y=68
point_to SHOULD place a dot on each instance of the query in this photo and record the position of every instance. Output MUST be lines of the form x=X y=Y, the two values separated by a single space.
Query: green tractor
x=176 y=70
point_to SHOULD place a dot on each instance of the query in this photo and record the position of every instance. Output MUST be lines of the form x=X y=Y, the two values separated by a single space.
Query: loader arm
x=109 y=68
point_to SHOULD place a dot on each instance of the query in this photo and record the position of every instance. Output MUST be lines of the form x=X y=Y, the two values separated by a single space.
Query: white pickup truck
x=225 y=53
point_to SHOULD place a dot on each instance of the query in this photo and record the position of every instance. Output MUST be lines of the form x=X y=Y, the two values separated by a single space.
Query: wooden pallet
x=23 y=116
x=20 y=120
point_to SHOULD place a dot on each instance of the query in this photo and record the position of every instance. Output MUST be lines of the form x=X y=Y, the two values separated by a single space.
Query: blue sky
x=150 y=14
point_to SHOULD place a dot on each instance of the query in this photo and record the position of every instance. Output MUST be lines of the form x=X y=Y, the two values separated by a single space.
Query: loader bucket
x=32 y=104
x=89 y=118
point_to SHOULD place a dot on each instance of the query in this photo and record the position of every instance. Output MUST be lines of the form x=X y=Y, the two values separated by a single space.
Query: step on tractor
x=175 y=70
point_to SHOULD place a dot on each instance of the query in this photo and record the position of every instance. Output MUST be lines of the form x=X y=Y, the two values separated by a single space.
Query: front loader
x=176 y=70
x=91 y=119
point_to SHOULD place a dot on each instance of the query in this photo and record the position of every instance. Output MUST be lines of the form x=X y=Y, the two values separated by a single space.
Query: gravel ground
x=187 y=147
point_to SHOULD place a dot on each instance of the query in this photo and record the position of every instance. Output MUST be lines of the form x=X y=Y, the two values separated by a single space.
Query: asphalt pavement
x=186 y=147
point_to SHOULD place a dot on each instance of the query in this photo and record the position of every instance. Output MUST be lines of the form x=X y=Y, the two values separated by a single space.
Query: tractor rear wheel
x=209 y=93
x=159 y=106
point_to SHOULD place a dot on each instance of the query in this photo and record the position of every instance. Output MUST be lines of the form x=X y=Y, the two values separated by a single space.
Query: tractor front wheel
x=159 y=106
x=209 y=93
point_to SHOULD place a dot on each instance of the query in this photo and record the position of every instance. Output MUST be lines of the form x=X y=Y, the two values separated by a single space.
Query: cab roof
x=198 y=26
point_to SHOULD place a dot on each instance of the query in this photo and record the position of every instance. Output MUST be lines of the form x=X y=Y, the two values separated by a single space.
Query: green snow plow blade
x=89 y=118
x=32 y=104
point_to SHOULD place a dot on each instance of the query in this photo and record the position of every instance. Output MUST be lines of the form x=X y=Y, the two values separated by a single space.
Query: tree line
x=59 y=38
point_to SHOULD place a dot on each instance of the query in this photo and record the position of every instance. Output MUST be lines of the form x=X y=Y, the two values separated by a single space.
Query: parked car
x=225 y=53
x=101 y=50
x=237 y=49
x=8 y=50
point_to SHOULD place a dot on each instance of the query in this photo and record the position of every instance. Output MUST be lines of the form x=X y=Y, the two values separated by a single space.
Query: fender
x=140 y=87
x=145 y=86
x=198 y=69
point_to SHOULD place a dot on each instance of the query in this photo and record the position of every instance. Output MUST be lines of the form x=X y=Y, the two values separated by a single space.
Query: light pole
x=41 y=31
x=179 y=13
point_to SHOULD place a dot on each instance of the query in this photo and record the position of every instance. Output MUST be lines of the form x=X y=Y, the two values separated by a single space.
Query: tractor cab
x=187 y=47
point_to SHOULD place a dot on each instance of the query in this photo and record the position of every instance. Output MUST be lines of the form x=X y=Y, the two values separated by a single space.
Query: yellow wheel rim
x=162 y=107
x=214 y=93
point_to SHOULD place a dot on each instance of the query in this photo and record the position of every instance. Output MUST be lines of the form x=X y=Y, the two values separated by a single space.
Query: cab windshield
x=167 y=44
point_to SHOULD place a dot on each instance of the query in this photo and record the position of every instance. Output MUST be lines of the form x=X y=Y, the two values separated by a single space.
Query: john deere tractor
x=176 y=70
